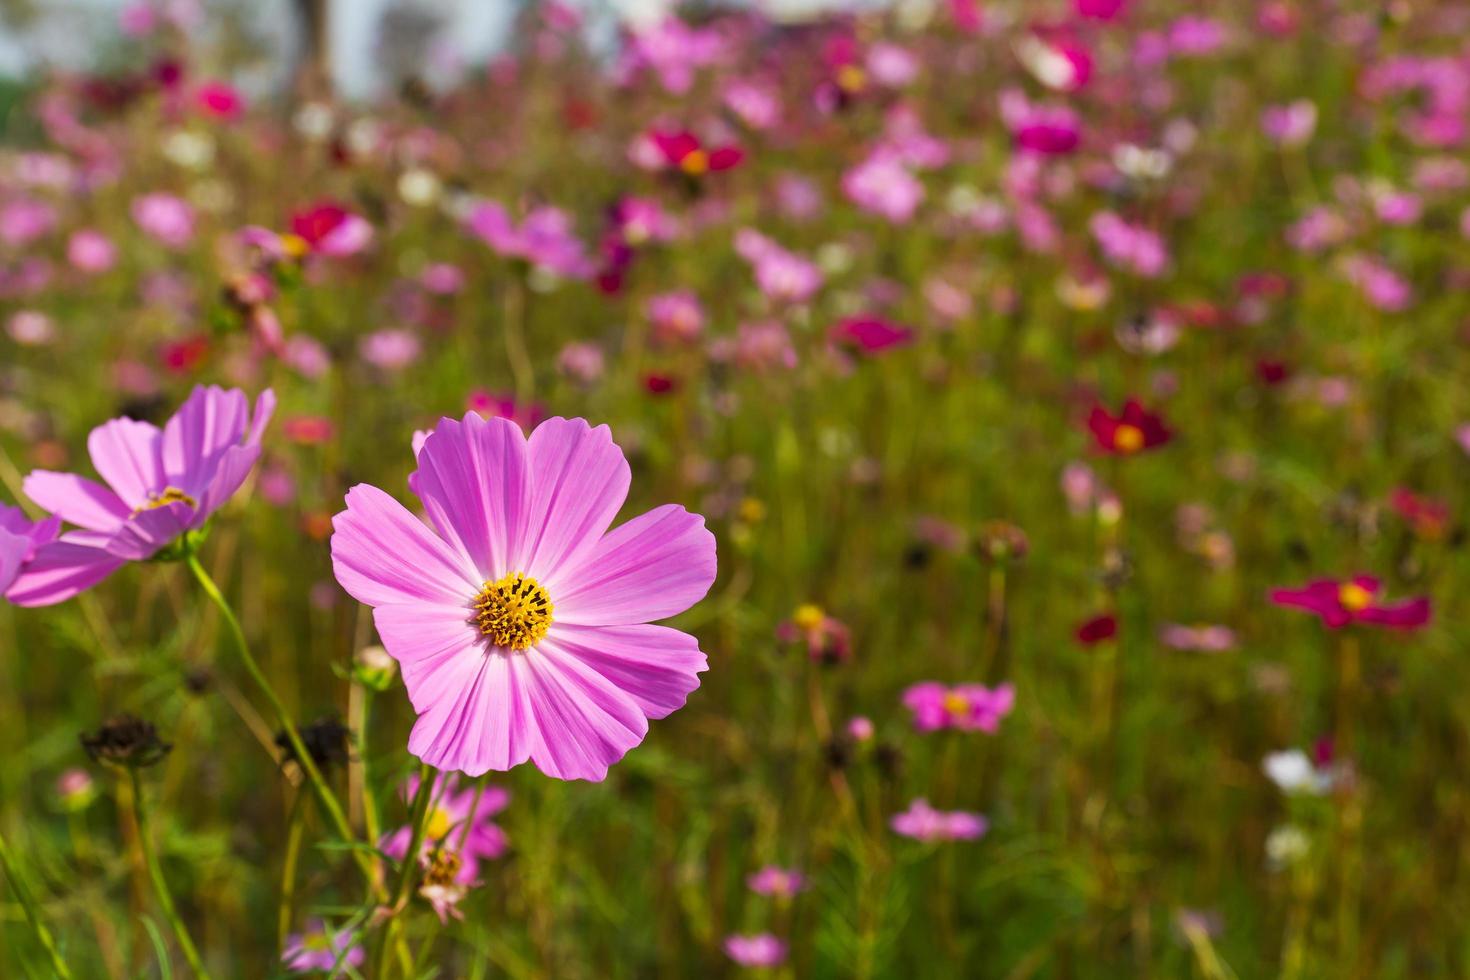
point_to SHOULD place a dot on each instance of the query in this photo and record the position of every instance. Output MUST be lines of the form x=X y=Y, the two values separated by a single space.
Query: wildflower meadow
x=919 y=489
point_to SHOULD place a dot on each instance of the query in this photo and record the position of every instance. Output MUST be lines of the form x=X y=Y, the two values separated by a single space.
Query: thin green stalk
x=296 y=824
x=283 y=718
x=32 y=910
x=160 y=884
x=419 y=821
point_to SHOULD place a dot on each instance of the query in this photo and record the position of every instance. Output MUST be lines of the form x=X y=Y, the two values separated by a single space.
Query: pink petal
x=76 y=500
x=126 y=454
x=483 y=720
x=583 y=723
x=13 y=551
x=431 y=642
x=656 y=666
x=473 y=480
x=579 y=480
x=64 y=568
x=1404 y=616
x=140 y=537
x=234 y=466
x=655 y=566
x=205 y=426
x=383 y=554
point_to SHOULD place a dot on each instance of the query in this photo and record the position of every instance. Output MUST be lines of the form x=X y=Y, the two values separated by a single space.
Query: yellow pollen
x=514 y=612
x=808 y=616
x=956 y=704
x=1354 y=597
x=294 y=245
x=694 y=163
x=439 y=824
x=1128 y=438
x=851 y=78
x=168 y=495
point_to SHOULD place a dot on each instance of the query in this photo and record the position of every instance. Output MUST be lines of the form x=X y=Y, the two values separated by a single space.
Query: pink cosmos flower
x=24 y=220
x=219 y=99
x=882 y=185
x=781 y=275
x=331 y=230
x=545 y=238
x=316 y=948
x=90 y=251
x=922 y=822
x=390 y=350
x=160 y=484
x=19 y=539
x=167 y=219
x=676 y=316
x=1205 y=638
x=1129 y=246
x=520 y=622
x=453 y=815
x=1291 y=124
x=760 y=950
x=777 y=882
x=1355 y=600
x=1052 y=130
x=1381 y=286
x=964 y=707
x=870 y=334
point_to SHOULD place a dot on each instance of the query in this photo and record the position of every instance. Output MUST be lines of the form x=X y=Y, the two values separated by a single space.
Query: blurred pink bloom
x=318 y=949
x=1052 y=130
x=760 y=950
x=757 y=347
x=1207 y=639
x=545 y=238
x=30 y=328
x=1398 y=207
x=891 y=65
x=1195 y=36
x=1060 y=63
x=1129 y=246
x=1099 y=9
x=781 y=275
x=827 y=638
x=964 y=707
x=219 y=99
x=582 y=361
x=330 y=229
x=860 y=728
x=167 y=219
x=20 y=537
x=677 y=317
x=442 y=278
x=307 y=356
x=1317 y=230
x=138 y=18
x=882 y=185
x=922 y=822
x=1380 y=285
x=460 y=818
x=756 y=104
x=90 y=251
x=870 y=334
x=487 y=405
x=390 y=350
x=674 y=51
x=776 y=882
x=1341 y=602
x=1292 y=124
x=23 y=220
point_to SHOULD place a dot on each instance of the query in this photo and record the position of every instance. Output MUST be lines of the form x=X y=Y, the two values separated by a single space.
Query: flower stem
x=160 y=884
x=296 y=823
x=298 y=749
x=32 y=910
x=419 y=822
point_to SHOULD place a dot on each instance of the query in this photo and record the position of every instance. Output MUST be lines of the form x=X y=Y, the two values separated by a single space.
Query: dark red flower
x=315 y=223
x=1132 y=431
x=870 y=334
x=1097 y=629
x=183 y=356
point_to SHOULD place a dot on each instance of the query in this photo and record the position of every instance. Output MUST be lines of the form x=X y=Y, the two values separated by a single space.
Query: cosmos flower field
x=964 y=489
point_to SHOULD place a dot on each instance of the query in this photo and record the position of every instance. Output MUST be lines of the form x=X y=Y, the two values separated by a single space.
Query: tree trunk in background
x=313 y=71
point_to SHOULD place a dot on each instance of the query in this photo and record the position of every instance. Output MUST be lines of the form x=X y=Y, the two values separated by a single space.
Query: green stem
x=303 y=757
x=32 y=910
x=160 y=884
x=295 y=825
x=419 y=822
x=514 y=329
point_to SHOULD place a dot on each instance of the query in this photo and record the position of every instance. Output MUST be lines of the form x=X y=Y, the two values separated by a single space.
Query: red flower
x=1097 y=629
x=308 y=430
x=219 y=100
x=684 y=151
x=315 y=223
x=183 y=356
x=1427 y=517
x=1340 y=603
x=870 y=334
x=1133 y=431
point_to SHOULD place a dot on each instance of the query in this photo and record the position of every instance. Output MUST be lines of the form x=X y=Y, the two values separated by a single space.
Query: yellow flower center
x=1128 y=438
x=808 y=616
x=318 y=942
x=168 y=495
x=294 y=245
x=695 y=162
x=956 y=704
x=514 y=612
x=851 y=78
x=1354 y=597
x=439 y=824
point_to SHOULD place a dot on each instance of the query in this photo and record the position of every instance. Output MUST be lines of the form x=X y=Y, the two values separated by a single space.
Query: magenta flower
x=776 y=882
x=316 y=948
x=760 y=950
x=19 y=540
x=1340 y=603
x=1129 y=246
x=455 y=815
x=965 y=707
x=870 y=334
x=545 y=238
x=922 y=822
x=160 y=484
x=520 y=622
x=1292 y=124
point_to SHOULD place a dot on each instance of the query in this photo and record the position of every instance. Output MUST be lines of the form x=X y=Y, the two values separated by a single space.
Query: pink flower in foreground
x=317 y=949
x=922 y=822
x=456 y=814
x=1355 y=600
x=19 y=539
x=519 y=620
x=160 y=484
x=966 y=707
x=777 y=882
x=760 y=950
